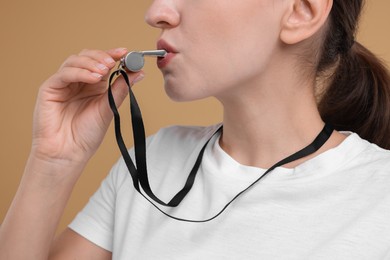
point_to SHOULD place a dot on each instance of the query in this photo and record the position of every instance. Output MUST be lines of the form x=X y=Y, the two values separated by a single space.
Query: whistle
x=134 y=61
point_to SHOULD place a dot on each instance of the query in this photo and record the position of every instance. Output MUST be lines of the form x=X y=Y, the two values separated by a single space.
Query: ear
x=303 y=19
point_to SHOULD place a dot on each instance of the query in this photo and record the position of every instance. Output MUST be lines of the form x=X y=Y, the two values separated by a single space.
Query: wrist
x=59 y=153
x=53 y=169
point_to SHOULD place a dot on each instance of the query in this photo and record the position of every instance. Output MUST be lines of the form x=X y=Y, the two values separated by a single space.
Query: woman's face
x=215 y=45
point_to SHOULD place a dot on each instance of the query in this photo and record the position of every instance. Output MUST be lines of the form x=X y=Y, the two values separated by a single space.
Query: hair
x=357 y=97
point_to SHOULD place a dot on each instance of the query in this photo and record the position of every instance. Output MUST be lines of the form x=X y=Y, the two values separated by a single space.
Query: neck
x=264 y=125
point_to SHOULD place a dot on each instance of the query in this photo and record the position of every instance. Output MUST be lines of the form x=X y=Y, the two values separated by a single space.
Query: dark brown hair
x=357 y=97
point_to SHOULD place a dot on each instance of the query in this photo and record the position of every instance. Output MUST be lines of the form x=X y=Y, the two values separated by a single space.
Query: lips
x=171 y=53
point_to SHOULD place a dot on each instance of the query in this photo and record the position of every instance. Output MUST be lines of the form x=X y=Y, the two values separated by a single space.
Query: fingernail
x=101 y=66
x=109 y=60
x=96 y=75
x=138 y=78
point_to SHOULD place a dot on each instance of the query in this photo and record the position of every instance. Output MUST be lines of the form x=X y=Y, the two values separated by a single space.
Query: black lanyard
x=139 y=174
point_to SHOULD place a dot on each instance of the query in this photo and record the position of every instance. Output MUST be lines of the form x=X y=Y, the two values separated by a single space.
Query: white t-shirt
x=334 y=206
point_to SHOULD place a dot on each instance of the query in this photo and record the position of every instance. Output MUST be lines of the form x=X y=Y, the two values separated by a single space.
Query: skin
x=215 y=54
x=240 y=60
x=248 y=59
x=74 y=98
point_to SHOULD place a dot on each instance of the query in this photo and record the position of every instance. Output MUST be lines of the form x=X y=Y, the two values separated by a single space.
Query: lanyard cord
x=139 y=174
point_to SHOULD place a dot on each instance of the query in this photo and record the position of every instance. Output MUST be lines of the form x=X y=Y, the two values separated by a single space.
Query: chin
x=181 y=93
x=178 y=96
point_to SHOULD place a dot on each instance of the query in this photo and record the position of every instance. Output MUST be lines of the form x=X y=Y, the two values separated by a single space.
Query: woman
x=267 y=62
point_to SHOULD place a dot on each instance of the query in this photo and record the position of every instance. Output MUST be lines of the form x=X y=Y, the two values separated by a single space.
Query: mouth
x=163 y=45
x=162 y=62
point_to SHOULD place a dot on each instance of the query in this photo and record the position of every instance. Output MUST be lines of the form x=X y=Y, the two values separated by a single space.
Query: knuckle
x=68 y=61
x=71 y=58
x=60 y=74
x=79 y=74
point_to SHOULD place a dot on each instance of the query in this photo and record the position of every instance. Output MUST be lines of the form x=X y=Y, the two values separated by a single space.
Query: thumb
x=119 y=91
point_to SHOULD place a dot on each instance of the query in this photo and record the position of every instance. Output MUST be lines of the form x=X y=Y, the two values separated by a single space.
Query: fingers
x=84 y=65
x=117 y=53
x=95 y=59
x=88 y=63
x=70 y=75
x=89 y=66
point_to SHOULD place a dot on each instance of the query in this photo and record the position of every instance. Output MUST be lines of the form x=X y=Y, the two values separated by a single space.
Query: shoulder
x=373 y=154
x=369 y=157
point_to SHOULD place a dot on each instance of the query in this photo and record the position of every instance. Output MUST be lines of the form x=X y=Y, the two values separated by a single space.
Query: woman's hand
x=72 y=113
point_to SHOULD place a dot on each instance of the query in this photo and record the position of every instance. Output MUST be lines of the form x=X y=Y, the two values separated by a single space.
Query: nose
x=163 y=14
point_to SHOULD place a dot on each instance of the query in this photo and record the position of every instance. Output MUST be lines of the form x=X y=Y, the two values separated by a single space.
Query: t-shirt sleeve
x=96 y=221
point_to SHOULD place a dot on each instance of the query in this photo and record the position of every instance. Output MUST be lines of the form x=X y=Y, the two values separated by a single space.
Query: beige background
x=36 y=36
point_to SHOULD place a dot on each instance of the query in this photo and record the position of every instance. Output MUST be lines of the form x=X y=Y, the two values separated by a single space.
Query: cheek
x=217 y=68
x=232 y=59
x=222 y=50
x=233 y=42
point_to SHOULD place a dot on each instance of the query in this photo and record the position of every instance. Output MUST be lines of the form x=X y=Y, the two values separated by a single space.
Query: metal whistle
x=134 y=61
